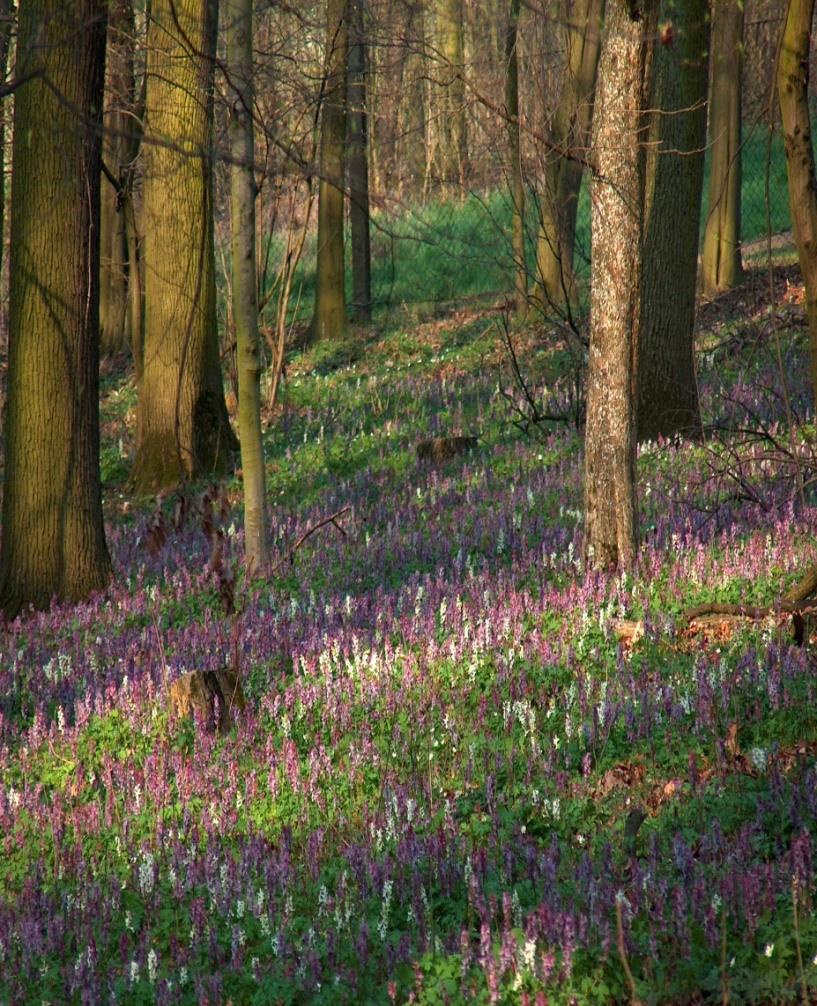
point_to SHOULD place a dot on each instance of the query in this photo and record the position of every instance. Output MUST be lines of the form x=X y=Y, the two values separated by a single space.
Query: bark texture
x=570 y=132
x=721 y=266
x=120 y=146
x=517 y=185
x=183 y=430
x=676 y=139
x=792 y=84
x=329 y=321
x=6 y=23
x=359 y=165
x=617 y=203
x=53 y=537
x=453 y=122
x=238 y=22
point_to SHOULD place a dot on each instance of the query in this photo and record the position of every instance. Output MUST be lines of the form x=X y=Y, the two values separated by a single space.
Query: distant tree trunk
x=792 y=84
x=238 y=21
x=183 y=430
x=721 y=266
x=570 y=131
x=120 y=145
x=617 y=202
x=53 y=542
x=453 y=124
x=359 y=166
x=329 y=321
x=676 y=139
x=517 y=184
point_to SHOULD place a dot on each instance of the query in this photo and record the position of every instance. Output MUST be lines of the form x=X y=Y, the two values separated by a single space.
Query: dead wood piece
x=442 y=448
x=212 y=695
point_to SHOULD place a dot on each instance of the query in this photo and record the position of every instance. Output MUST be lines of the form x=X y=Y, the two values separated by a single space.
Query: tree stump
x=211 y=695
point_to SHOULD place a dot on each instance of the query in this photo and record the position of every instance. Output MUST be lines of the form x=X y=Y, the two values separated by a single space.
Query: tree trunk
x=617 y=203
x=238 y=19
x=359 y=168
x=453 y=124
x=53 y=536
x=570 y=131
x=120 y=145
x=517 y=185
x=183 y=430
x=329 y=321
x=6 y=24
x=721 y=266
x=676 y=138
x=792 y=84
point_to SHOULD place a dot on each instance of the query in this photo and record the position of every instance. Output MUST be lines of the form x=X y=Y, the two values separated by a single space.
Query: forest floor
x=453 y=782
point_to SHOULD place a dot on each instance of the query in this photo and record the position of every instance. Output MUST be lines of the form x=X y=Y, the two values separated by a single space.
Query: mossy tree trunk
x=329 y=320
x=359 y=165
x=53 y=541
x=676 y=139
x=120 y=146
x=515 y=175
x=616 y=221
x=238 y=22
x=721 y=266
x=6 y=25
x=453 y=125
x=792 y=85
x=570 y=132
x=183 y=430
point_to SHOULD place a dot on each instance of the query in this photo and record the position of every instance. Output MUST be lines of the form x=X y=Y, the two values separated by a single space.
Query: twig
x=622 y=953
x=331 y=519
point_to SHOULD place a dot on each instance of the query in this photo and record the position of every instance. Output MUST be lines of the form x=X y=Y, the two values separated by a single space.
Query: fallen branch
x=331 y=519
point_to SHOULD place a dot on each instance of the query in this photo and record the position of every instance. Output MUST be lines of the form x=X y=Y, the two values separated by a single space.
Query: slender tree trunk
x=563 y=175
x=238 y=20
x=721 y=266
x=617 y=202
x=183 y=430
x=53 y=541
x=359 y=166
x=453 y=124
x=329 y=321
x=517 y=184
x=119 y=147
x=792 y=85
x=668 y=390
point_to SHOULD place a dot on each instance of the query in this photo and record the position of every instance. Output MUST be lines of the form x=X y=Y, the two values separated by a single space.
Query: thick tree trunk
x=792 y=84
x=721 y=266
x=329 y=321
x=6 y=24
x=676 y=135
x=183 y=430
x=359 y=166
x=570 y=131
x=517 y=184
x=238 y=21
x=617 y=202
x=120 y=145
x=453 y=124
x=53 y=537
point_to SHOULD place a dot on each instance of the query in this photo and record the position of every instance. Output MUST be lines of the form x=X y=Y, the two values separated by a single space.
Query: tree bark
x=238 y=20
x=616 y=222
x=6 y=24
x=329 y=321
x=570 y=131
x=792 y=85
x=183 y=430
x=453 y=124
x=517 y=184
x=676 y=139
x=721 y=266
x=53 y=543
x=359 y=166
x=120 y=146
